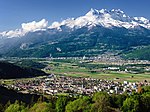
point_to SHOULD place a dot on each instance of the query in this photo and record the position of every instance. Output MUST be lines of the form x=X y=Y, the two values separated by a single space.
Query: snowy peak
x=104 y=13
x=95 y=12
x=117 y=11
x=94 y=17
x=142 y=20
x=120 y=15
x=92 y=12
x=105 y=18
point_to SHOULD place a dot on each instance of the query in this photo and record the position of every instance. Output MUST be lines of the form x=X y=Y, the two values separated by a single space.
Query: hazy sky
x=15 y=12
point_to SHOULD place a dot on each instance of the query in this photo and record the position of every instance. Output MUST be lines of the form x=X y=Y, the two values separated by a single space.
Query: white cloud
x=12 y=33
x=26 y=27
x=32 y=26
x=55 y=25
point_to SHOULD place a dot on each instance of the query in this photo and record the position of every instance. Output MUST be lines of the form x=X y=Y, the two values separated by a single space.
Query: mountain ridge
x=95 y=33
x=103 y=17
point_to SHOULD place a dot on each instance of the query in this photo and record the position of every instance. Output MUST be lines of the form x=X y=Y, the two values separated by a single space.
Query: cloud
x=32 y=26
x=69 y=22
x=12 y=33
x=26 y=27
x=55 y=25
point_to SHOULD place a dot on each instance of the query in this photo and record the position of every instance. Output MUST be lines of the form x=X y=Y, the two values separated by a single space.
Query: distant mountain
x=95 y=33
x=104 y=18
x=9 y=70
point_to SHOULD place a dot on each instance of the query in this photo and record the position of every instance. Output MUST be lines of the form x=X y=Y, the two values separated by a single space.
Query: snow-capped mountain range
x=95 y=33
x=103 y=17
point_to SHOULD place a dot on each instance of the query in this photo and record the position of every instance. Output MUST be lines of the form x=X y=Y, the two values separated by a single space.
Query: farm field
x=86 y=68
x=76 y=70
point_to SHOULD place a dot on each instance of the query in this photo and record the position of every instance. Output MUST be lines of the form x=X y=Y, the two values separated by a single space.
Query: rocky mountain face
x=95 y=33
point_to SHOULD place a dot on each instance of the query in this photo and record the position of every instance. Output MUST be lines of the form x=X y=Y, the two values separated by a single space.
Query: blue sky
x=15 y=12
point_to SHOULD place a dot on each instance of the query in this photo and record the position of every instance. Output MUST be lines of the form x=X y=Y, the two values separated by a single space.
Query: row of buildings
x=55 y=85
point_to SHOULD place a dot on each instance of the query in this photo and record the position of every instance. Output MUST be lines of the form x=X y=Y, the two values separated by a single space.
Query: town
x=55 y=85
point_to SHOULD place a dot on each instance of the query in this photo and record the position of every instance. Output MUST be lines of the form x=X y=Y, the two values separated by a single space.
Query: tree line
x=99 y=102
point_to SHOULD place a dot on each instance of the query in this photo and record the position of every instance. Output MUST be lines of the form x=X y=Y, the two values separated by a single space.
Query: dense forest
x=10 y=70
x=99 y=102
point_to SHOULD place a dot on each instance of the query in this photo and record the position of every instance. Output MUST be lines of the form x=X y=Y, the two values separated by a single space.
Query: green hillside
x=9 y=70
x=82 y=42
x=140 y=53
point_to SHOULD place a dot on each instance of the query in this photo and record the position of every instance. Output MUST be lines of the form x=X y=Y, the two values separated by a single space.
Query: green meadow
x=75 y=70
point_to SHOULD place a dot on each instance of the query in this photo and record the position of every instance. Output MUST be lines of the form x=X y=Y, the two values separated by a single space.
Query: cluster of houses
x=106 y=58
x=54 y=85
